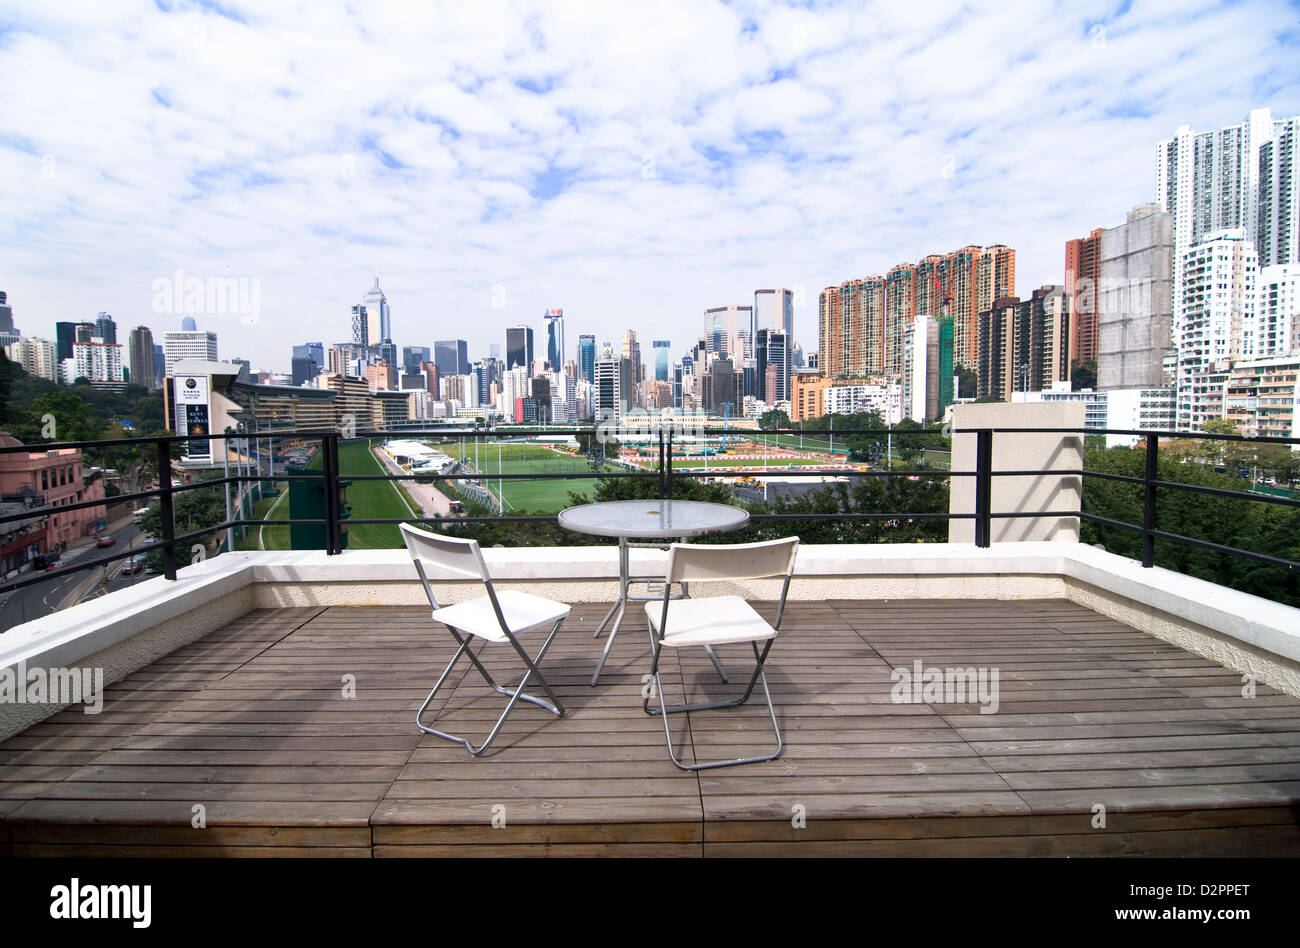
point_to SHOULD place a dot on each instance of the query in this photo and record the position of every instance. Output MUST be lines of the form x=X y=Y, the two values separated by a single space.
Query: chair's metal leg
x=663 y=711
x=713 y=657
x=553 y=705
x=516 y=695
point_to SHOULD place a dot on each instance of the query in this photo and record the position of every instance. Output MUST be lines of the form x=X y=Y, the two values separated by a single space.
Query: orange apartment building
x=862 y=324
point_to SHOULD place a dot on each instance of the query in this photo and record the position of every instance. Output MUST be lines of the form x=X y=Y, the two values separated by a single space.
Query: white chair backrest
x=692 y=562
x=438 y=555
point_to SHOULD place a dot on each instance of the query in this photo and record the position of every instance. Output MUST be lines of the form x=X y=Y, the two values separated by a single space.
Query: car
x=134 y=565
x=57 y=564
x=105 y=541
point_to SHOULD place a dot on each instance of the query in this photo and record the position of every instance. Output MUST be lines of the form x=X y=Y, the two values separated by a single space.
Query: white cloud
x=632 y=163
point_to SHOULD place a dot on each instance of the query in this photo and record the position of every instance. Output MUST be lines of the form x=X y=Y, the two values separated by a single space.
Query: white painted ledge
x=130 y=628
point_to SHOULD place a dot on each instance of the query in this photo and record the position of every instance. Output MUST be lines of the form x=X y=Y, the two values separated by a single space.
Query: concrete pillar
x=1047 y=452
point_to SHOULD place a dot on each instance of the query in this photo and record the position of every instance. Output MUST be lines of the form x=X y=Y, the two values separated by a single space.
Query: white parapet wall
x=1054 y=493
x=130 y=629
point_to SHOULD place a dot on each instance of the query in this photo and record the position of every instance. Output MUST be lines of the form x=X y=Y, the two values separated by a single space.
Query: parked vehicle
x=134 y=565
x=105 y=541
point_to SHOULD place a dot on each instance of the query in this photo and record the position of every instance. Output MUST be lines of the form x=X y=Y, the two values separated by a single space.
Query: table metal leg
x=624 y=568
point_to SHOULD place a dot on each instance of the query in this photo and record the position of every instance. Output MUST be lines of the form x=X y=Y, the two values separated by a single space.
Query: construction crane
x=726 y=419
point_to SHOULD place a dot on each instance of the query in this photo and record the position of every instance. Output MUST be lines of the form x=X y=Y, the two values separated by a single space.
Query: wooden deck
x=251 y=724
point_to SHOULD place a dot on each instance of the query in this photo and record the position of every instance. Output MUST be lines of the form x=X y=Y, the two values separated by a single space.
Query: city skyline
x=509 y=179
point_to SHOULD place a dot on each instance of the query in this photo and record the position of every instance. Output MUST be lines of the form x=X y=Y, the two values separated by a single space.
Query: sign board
x=192 y=408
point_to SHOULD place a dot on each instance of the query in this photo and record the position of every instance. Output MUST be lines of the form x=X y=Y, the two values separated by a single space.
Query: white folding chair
x=495 y=617
x=719 y=620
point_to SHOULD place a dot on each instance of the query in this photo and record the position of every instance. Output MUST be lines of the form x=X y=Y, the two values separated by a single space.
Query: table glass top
x=652 y=518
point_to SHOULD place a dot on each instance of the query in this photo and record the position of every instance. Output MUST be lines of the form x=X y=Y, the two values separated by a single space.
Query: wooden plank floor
x=251 y=730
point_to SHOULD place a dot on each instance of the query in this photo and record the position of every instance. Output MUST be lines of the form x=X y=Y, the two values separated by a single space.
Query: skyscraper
x=774 y=311
x=519 y=347
x=412 y=356
x=6 y=314
x=65 y=334
x=451 y=356
x=377 y=316
x=106 y=329
x=607 y=390
x=1237 y=177
x=726 y=332
x=1216 y=324
x=661 y=347
x=587 y=357
x=554 y=339
x=862 y=323
x=1082 y=283
x=141 y=356
x=1134 y=300
x=189 y=345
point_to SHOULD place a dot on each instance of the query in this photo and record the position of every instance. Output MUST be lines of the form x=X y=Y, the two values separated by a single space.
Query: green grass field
x=546 y=496
x=368 y=500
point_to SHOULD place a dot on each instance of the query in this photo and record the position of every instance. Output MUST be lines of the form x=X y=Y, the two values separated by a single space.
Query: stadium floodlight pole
x=501 y=491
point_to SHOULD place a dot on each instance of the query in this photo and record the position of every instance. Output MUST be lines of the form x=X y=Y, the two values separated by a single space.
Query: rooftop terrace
x=250 y=722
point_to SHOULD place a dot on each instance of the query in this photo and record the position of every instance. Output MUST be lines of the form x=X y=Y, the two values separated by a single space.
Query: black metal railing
x=664 y=472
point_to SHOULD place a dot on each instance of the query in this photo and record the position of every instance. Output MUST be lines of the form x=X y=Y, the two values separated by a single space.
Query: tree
x=774 y=418
x=967 y=381
x=1083 y=374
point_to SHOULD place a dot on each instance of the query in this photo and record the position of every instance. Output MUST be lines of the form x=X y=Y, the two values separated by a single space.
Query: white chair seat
x=716 y=621
x=521 y=610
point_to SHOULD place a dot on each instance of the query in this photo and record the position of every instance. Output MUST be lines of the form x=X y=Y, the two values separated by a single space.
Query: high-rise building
x=726 y=333
x=199 y=344
x=451 y=356
x=315 y=351
x=661 y=347
x=360 y=326
x=587 y=356
x=519 y=347
x=631 y=353
x=1134 y=300
x=1216 y=324
x=106 y=329
x=608 y=400
x=1263 y=396
x=862 y=323
x=927 y=386
x=6 y=314
x=1237 y=177
x=36 y=356
x=65 y=335
x=555 y=351
x=1082 y=279
x=808 y=395
x=1277 y=229
x=98 y=361
x=378 y=323
x=140 y=344
x=1278 y=309
x=159 y=365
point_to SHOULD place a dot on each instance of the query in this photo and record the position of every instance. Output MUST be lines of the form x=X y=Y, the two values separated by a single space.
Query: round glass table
x=647 y=519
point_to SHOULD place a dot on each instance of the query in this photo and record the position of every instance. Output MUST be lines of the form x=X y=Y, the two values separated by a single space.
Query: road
x=41 y=599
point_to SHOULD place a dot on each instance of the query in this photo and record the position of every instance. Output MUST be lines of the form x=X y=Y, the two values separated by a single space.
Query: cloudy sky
x=631 y=163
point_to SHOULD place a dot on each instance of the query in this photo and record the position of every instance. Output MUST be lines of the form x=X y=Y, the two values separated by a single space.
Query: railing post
x=670 y=465
x=662 y=485
x=983 y=487
x=1149 y=503
x=330 y=466
x=166 y=508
